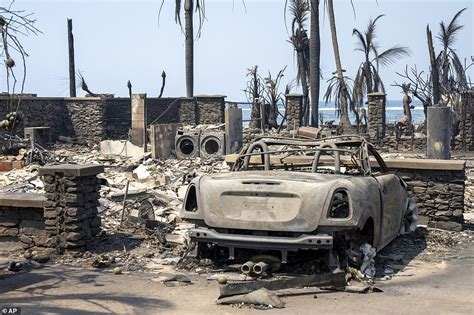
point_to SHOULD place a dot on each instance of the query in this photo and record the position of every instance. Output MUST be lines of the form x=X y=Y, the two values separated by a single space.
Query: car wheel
x=410 y=218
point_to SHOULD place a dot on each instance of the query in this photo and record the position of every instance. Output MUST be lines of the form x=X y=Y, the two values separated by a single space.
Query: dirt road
x=442 y=288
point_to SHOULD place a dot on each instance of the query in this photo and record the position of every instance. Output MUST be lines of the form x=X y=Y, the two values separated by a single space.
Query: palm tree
x=368 y=78
x=314 y=61
x=300 y=41
x=190 y=6
x=449 y=65
x=342 y=88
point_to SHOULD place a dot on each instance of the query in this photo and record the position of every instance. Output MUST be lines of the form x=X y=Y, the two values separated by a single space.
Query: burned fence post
x=139 y=120
x=294 y=111
x=70 y=211
x=72 y=67
x=376 y=115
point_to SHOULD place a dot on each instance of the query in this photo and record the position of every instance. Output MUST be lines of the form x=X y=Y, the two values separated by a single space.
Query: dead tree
x=254 y=91
x=72 y=67
x=13 y=25
x=273 y=97
x=419 y=85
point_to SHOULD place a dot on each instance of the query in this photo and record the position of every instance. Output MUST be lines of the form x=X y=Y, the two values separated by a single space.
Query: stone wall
x=404 y=144
x=294 y=107
x=87 y=119
x=469 y=192
x=465 y=139
x=92 y=119
x=27 y=224
x=70 y=211
x=439 y=194
x=376 y=116
x=187 y=111
x=210 y=109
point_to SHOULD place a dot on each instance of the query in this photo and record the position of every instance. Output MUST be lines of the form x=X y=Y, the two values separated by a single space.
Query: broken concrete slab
x=22 y=200
x=121 y=148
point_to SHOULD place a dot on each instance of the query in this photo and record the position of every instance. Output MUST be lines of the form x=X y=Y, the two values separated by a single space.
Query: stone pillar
x=187 y=111
x=439 y=125
x=233 y=129
x=376 y=115
x=467 y=121
x=138 y=136
x=294 y=108
x=70 y=211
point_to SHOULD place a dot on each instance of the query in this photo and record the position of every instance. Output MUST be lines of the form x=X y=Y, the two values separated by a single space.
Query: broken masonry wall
x=92 y=119
x=38 y=112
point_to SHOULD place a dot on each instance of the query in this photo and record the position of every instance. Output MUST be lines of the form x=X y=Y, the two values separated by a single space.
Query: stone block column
x=139 y=133
x=294 y=107
x=70 y=211
x=187 y=111
x=376 y=115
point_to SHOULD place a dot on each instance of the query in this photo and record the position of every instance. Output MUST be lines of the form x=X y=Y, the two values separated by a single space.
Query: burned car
x=287 y=195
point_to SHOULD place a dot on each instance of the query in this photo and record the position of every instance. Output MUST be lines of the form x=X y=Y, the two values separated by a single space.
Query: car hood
x=267 y=201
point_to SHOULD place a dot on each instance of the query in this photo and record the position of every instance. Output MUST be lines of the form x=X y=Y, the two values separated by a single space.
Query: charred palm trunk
x=434 y=67
x=368 y=75
x=272 y=115
x=189 y=47
x=72 y=69
x=315 y=59
x=344 y=121
x=304 y=86
x=255 y=114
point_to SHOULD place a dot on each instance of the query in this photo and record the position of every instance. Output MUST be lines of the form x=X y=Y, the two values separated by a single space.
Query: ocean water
x=394 y=110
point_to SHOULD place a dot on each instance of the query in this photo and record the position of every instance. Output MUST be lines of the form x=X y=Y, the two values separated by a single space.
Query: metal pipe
x=247 y=267
x=260 y=268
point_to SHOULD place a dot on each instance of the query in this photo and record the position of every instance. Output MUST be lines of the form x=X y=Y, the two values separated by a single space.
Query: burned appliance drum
x=212 y=145
x=187 y=144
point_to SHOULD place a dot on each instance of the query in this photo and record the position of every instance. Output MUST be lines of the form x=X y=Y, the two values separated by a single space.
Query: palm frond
x=370 y=32
x=361 y=44
x=393 y=54
x=459 y=71
x=447 y=34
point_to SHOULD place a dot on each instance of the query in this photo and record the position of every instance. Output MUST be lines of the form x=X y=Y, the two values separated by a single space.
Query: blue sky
x=119 y=40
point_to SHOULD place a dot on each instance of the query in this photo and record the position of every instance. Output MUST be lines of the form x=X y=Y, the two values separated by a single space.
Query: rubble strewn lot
x=132 y=247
